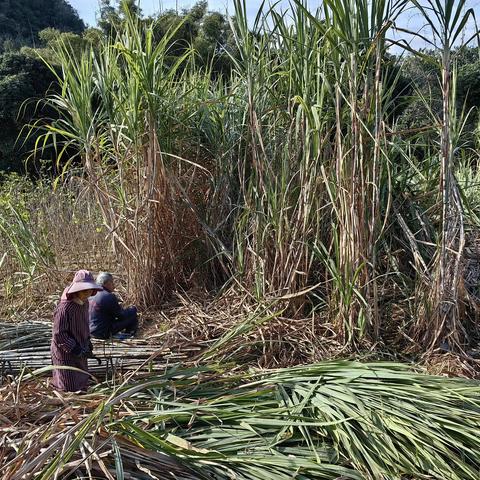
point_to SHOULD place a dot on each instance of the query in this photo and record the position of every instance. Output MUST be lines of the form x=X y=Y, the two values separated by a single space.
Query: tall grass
x=312 y=155
x=45 y=234
x=281 y=179
x=121 y=109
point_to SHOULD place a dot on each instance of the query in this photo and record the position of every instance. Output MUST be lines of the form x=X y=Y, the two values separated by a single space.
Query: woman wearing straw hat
x=71 y=344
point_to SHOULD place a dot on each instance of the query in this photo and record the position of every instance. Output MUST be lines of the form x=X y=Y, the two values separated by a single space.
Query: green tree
x=22 y=78
x=209 y=33
x=28 y=28
x=52 y=39
x=22 y=20
x=112 y=18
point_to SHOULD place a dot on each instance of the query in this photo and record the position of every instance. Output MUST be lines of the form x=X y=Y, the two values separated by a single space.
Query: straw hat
x=83 y=280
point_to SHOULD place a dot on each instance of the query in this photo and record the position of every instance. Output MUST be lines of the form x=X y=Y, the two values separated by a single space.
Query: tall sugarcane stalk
x=447 y=21
x=447 y=297
x=355 y=33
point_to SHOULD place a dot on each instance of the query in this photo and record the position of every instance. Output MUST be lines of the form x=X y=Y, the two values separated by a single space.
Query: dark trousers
x=128 y=322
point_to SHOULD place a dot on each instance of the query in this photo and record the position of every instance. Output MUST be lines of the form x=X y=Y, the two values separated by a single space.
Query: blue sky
x=88 y=8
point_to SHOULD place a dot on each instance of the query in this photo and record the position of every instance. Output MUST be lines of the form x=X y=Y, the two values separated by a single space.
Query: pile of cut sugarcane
x=26 y=346
x=331 y=420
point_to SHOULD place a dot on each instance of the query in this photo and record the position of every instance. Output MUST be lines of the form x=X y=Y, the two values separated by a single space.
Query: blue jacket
x=104 y=311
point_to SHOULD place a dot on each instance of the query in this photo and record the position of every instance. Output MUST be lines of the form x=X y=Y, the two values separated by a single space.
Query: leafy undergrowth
x=330 y=420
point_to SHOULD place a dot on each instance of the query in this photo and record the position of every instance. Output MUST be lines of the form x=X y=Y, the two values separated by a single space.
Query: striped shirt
x=70 y=329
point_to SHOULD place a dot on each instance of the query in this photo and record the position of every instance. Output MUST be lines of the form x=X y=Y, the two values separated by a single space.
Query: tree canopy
x=21 y=78
x=22 y=20
x=26 y=25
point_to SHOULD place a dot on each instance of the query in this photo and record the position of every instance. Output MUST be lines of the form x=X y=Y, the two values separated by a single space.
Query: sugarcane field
x=240 y=240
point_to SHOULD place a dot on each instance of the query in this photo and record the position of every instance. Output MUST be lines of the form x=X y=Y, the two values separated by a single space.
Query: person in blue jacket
x=107 y=317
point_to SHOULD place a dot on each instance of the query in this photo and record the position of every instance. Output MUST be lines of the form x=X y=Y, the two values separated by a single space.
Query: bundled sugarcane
x=25 y=334
x=27 y=346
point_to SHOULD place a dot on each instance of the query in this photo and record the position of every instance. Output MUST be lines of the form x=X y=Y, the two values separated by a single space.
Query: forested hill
x=21 y=20
x=23 y=75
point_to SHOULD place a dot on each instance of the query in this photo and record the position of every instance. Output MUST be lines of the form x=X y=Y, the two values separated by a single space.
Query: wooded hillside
x=22 y=20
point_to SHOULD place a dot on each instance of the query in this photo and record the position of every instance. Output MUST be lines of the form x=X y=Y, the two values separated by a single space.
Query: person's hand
x=87 y=353
x=77 y=351
x=82 y=352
